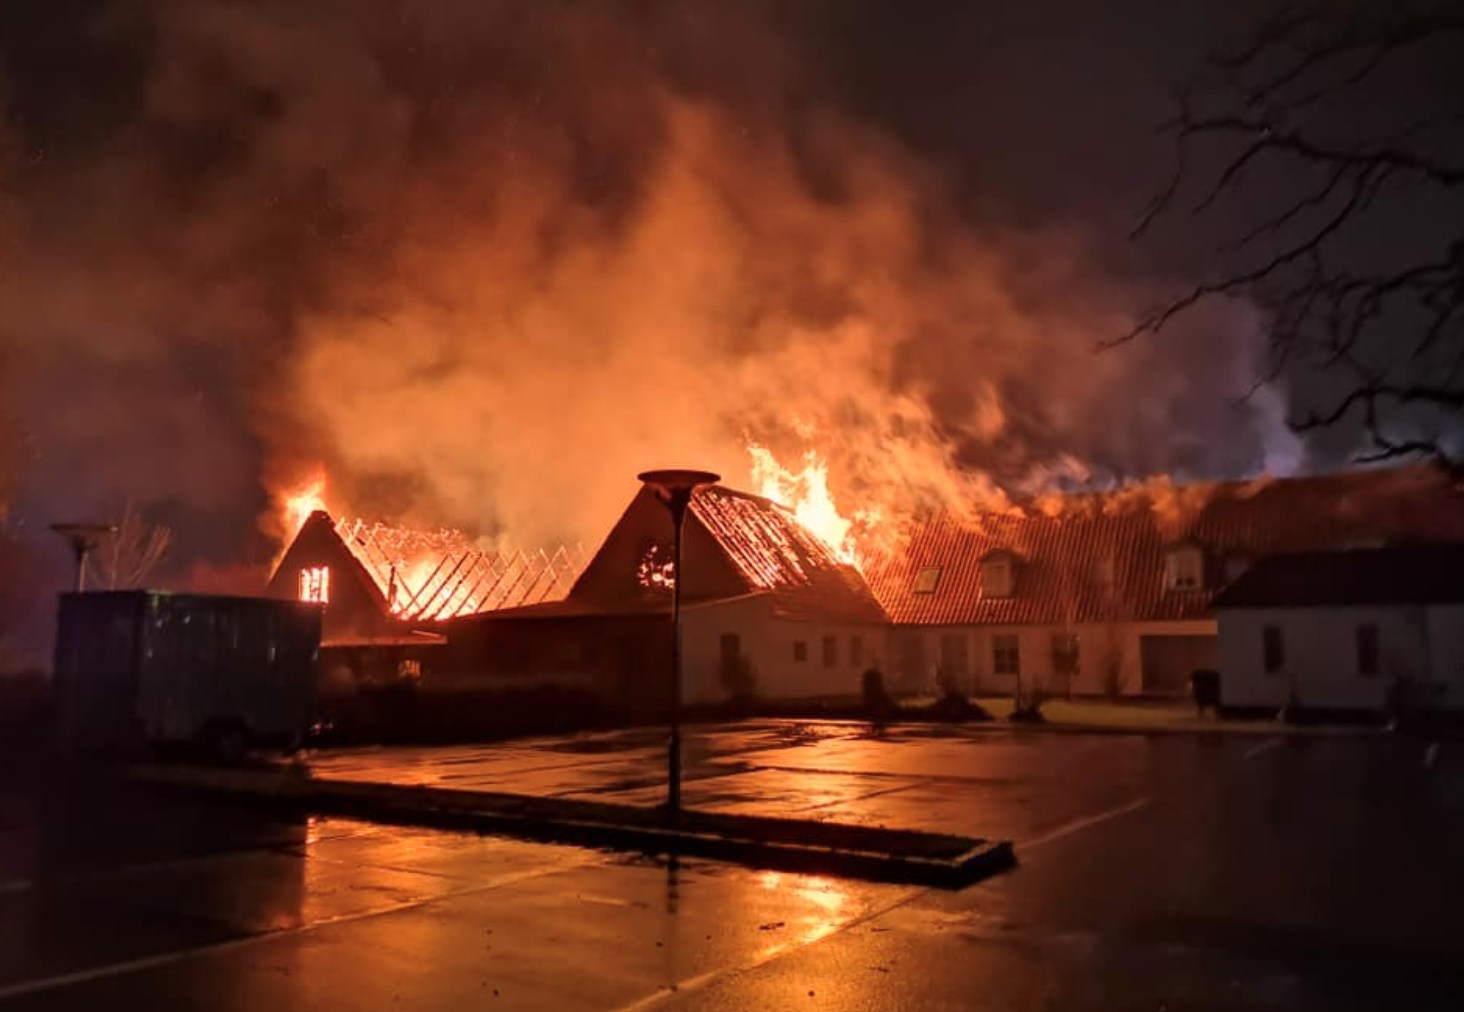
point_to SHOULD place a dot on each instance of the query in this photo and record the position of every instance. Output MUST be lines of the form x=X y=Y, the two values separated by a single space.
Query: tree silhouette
x=127 y=559
x=1293 y=116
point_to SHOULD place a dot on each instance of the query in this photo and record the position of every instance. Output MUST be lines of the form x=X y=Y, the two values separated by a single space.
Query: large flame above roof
x=805 y=492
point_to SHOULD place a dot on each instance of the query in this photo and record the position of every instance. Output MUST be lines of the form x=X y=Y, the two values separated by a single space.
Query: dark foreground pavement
x=1155 y=873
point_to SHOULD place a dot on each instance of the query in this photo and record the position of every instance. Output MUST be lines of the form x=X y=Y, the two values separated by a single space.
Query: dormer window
x=998 y=575
x=1184 y=568
x=927 y=580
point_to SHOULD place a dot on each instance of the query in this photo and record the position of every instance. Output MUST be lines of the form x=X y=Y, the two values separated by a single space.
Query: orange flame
x=806 y=493
x=296 y=505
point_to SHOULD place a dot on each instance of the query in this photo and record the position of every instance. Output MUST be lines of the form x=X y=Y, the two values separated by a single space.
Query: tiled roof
x=439 y=574
x=1067 y=549
x=1403 y=575
x=776 y=554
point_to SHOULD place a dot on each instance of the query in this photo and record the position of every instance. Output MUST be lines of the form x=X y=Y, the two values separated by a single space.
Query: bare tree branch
x=1386 y=331
x=130 y=557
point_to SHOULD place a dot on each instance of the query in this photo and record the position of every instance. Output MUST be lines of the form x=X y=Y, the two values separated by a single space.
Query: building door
x=1166 y=661
x=909 y=660
x=955 y=661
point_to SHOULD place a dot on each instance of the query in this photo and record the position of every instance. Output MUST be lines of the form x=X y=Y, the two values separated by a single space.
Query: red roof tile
x=1401 y=575
x=1063 y=546
x=774 y=553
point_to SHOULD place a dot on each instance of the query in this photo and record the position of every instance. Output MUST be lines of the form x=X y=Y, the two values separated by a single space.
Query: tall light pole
x=674 y=487
x=83 y=538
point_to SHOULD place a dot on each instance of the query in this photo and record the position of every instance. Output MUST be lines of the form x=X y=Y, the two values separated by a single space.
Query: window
x=909 y=648
x=927 y=579
x=1065 y=653
x=830 y=651
x=1367 y=650
x=1273 y=649
x=996 y=575
x=315 y=584
x=1184 y=568
x=1006 y=654
x=856 y=650
x=409 y=668
x=656 y=569
x=800 y=651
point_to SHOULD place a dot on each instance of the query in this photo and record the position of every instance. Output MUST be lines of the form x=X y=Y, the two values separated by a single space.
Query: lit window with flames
x=657 y=570
x=315 y=584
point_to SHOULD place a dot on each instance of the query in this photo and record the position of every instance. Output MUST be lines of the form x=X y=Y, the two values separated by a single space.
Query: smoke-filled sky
x=485 y=261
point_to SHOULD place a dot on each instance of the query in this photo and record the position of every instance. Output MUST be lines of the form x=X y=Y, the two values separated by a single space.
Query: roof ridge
x=1029 y=507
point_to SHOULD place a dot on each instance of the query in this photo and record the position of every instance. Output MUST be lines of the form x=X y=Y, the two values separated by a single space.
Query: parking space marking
x=161 y=959
x=1262 y=748
x=1430 y=755
x=1078 y=825
x=701 y=980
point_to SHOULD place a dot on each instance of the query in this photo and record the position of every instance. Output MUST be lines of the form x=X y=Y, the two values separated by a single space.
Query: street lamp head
x=674 y=479
x=83 y=538
x=674 y=485
x=84 y=534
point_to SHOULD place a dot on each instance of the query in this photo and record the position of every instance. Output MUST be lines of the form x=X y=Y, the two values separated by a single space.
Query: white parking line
x=1078 y=825
x=1430 y=755
x=9 y=991
x=700 y=981
x=1263 y=747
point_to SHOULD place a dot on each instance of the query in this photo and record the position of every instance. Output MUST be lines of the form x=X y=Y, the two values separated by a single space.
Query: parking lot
x=1175 y=871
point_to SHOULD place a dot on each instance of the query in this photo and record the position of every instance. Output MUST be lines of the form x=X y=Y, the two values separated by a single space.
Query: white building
x=765 y=606
x=1111 y=593
x=1340 y=630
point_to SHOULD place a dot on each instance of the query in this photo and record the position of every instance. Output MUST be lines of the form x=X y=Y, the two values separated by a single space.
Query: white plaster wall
x=1097 y=645
x=1320 y=648
x=767 y=641
x=1446 y=648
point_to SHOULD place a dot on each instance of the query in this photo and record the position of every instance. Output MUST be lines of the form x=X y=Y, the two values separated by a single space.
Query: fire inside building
x=1104 y=593
x=388 y=590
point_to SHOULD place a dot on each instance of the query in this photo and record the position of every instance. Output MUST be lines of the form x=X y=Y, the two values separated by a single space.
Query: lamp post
x=83 y=538
x=674 y=487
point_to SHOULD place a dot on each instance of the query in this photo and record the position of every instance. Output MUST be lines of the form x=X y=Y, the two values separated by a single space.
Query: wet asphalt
x=1155 y=873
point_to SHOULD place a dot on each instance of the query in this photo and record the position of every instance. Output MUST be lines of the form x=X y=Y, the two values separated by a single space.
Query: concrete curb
x=1220 y=731
x=866 y=852
x=1059 y=727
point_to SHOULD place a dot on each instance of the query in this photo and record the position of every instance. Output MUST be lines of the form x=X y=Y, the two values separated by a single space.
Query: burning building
x=387 y=590
x=1094 y=593
x=1112 y=593
x=767 y=608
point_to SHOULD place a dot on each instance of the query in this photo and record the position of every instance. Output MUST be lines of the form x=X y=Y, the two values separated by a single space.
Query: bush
x=949 y=685
x=877 y=702
x=1029 y=710
x=739 y=678
x=955 y=709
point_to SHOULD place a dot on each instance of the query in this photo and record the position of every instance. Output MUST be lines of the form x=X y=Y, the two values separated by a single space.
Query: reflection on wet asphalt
x=976 y=782
x=1162 y=873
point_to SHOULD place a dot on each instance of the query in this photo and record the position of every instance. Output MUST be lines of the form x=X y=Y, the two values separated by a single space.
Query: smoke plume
x=483 y=262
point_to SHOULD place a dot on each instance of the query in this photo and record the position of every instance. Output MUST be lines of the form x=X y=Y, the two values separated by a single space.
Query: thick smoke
x=484 y=262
